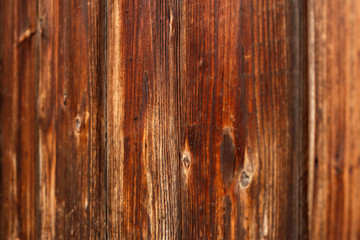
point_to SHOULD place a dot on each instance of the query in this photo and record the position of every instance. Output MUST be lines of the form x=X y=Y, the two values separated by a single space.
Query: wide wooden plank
x=71 y=120
x=241 y=113
x=17 y=119
x=334 y=65
x=142 y=120
x=205 y=111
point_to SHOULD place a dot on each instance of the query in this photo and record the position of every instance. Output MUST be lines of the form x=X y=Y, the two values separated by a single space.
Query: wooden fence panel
x=179 y=119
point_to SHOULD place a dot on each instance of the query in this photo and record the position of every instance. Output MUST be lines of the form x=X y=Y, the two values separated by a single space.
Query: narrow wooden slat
x=18 y=119
x=241 y=114
x=334 y=49
x=96 y=31
x=142 y=120
x=71 y=119
x=51 y=74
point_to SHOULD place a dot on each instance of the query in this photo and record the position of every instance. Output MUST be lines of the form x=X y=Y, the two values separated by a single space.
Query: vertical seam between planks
x=105 y=123
x=37 y=155
x=178 y=79
x=89 y=66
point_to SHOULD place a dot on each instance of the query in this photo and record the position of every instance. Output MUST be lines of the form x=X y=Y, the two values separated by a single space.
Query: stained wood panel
x=143 y=120
x=179 y=119
x=18 y=119
x=205 y=117
x=71 y=119
x=241 y=116
x=335 y=163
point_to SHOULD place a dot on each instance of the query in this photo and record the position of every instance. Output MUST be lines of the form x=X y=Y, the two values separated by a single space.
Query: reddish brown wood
x=179 y=119
x=143 y=120
x=17 y=119
x=334 y=49
x=71 y=120
x=205 y=111
x=241 y=108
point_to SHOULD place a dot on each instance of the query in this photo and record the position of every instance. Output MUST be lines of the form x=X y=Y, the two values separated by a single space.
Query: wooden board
x=18 y=119
x=143 y=120
x=334 y=49
x=242 y=101
x=71 y=119
x=205 y=117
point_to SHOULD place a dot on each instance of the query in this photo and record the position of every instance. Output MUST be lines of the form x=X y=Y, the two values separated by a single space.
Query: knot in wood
x=186 y=162
x=77 y=124
x=245 y=179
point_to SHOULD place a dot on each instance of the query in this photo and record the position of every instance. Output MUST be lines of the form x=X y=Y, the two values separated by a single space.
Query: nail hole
x=245 y=179
x=186 y=162
x=78 y=124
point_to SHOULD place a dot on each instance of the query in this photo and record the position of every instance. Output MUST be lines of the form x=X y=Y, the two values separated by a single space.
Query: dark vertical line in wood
x=37 y=156
x=179 y=100
x=2 y=40
x=304 y=120
x=90 y=133
x=105 y=92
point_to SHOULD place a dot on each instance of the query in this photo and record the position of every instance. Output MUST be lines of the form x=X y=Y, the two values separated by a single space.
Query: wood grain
x=205 y=113
x=142 y=120
x=242 y=116
x=179 y=119
x=334 y=48
x=71 y=120
x=17 y=119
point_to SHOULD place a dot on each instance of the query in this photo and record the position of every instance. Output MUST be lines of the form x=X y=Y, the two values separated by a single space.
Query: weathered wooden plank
x=334 y=64
x=51 y=74
x=220 y=83
x=17 y=119
x=241 y=115
x=142 y=120
x=71 y=119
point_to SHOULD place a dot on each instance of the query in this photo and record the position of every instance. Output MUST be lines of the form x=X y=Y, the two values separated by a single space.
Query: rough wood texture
x=17 y=119
x=143 y=120
x=241 y=106
x=71 y=119
x=52 y=120
x=334 y=49
x=205 y=119
x=179 y=119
